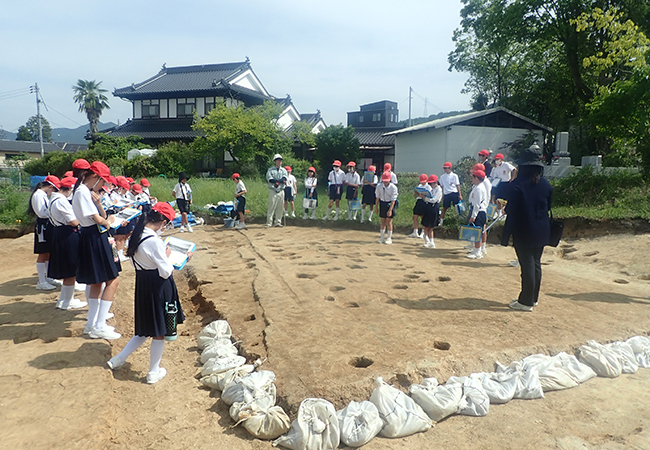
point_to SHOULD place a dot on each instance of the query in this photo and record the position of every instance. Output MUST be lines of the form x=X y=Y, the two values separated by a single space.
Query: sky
x=331 y=56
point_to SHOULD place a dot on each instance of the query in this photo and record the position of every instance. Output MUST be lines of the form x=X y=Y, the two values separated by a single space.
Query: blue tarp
x=34 y=180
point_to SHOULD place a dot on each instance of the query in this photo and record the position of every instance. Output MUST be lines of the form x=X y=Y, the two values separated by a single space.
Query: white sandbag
x=626 y=356
x=359 y=422
x=401 y=415
x=436 y=400
x=552 y=375
x=529 y=386
x=316 y=427
x=257 y=385
x=579 y=371
x=263 y=402
x=475 y=401
x=218 y=365
x=604 y=361
x=218 y=329
x=641 y=348
x=499 y=387
x=218 y=348
x=221 y=380
x=267 y=423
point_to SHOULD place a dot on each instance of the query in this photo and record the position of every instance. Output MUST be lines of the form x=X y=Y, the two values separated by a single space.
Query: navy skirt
x=351 y=193
x=152 y=293
x=96 y=263
x=419 y=209
x=431 y=215
x=64 y=258
x=368 y=192
x=42 y=236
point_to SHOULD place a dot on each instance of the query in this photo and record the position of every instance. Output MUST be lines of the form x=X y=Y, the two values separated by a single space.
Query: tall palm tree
x=92 y=101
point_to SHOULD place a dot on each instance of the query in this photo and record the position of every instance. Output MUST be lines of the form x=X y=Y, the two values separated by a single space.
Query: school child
x=483 y=158
x=183 y=195
x=336 y=178
x=432 y=211
x=451 y=194
x=419 y=207
x=290 y=191
x=145 y=186
x=97 y=264
x=478 y=200
x=488 y=189
x=504 y=172
x=352 y=182
x=370 y=182
x=39 y=205
x=240 y=198
x=79 y=168
x=64 y=257
x=386 y=194
x=154 y=289
x=310 y=191
x=393 y=177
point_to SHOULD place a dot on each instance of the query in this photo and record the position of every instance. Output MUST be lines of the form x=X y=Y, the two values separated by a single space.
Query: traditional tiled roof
x=35 y=147
x=475 y=118
x=310 y=118
x=164 y=129
x=369 y=138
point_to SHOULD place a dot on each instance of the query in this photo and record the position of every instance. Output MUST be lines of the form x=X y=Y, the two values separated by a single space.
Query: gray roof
x=374 y=138
x=163 y=129
x=467 y=118
x=35 y=147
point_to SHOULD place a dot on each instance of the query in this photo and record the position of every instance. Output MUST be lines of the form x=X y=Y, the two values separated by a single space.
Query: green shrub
x=13 y=205
x=586 y=188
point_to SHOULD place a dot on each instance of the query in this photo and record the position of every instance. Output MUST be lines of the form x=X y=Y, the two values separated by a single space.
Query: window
x=376 y=117
x=209 y=104
x=150 y=108
x=185 y=107
x=360 y=119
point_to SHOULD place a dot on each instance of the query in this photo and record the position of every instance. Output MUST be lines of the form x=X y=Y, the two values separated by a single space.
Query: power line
x=59 y=113
x=14 y=95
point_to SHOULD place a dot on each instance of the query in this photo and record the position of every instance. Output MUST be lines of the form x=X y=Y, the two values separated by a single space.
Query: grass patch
x=13 y=206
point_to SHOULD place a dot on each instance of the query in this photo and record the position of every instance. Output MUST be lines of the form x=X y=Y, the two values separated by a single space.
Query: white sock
x=93 y=309
x=104 y=306
x=313 y=213
x=382 y=233
x=67 y=292
x=431 y=240
x=415 y=231
x=47 y=268
x=482 y=247
x=87 y=292
x=349 y=212
x=329 y=211
x=441 y=220
x=41 y=269
x=338 y=210
x=131 y=346
x=155 y=355
x=370 y=216
x=363 y=215
x=354 y=215
x=390 y=234
x=120 y=253
x=426 y=239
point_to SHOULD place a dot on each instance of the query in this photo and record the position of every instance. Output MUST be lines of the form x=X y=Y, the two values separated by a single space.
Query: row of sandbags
x=392 y=413
x=250 y=393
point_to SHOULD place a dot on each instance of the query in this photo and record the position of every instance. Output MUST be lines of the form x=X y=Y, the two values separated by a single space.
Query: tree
x=246 y=134
x=92 y=101
x=29 y=131
x=337 y=142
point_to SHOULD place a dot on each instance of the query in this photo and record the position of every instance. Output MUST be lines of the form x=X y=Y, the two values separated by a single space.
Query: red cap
x=68 y=174
x=499 y=156
x=372 y=168
x=130 y=180
x=122 y=182
x=484 y=153
x=447 y=164
x=385 y=176
x=235 y=176
x=144 y=182
x=311 y=169
x=112 y=180
x=287 y=168
x=68 y=182
x=480 y=174
x=336 y=163
x=432 y=178
x=137 y=189
x=81 y=164
x=478 y=166
x=387 y=167
x=100 y=169
x=165 y=209
x=423 y=178
x=54 y=181
x=352 y=163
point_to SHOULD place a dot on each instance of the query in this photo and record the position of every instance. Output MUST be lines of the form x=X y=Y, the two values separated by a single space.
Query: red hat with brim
x=499 y=156
x=446 y=165
x=122 y=182
x=235 y=176
x=101 y=170
x=385 y=176
x=112 y=180
x=144 y=182
x=432 y=179
x=311 y=169
x=81 y=164
x=68 y=182
x=352 y=163
x=423 y=178
x=337 y=163
x=130 y=180
x=54 y=181
x=387 y=167
x=372 y=168
x=165 y=209
x=480 y=174
x=484 y=153
x=68 y=174
x=478 y=166
x=287 y=168
x=137 y=188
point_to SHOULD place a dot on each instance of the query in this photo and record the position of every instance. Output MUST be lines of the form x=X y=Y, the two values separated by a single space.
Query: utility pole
x=38 y=115
x=410 y=98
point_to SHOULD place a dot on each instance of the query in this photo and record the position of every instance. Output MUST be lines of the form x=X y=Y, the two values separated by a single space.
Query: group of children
x=79 y=247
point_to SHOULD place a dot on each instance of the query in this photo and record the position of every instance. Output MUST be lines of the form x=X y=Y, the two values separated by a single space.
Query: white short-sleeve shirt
x=502 y=172
x=449 y=181
x=61 y=212
x=183 y=191
x=40 y=204
x=83 y=206
x=151 y=254
x=240 y=187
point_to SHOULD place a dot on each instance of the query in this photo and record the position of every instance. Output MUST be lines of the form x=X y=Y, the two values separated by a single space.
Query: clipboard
x=179 y=248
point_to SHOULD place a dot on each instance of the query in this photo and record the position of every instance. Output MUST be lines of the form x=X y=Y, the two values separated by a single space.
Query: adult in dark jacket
x=529 y=203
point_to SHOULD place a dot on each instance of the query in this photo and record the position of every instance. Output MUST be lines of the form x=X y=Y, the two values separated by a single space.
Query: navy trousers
x=531 y=273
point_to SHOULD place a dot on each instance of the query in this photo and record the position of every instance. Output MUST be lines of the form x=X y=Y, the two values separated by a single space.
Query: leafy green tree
x=337 y=142
x=29 y=131
x=246 y=134
x=91 y=99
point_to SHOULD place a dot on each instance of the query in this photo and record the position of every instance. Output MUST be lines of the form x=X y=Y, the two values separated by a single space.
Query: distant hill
x=442 y=115
x=69 y=135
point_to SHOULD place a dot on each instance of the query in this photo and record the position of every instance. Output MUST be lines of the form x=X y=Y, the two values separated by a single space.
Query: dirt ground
x=331 y=309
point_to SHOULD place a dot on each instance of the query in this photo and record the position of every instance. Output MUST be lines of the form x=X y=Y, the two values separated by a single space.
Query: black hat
x=183 y=176
x=532 y=156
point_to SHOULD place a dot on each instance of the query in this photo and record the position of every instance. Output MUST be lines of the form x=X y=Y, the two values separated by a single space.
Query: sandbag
x=436 y=400
x=626 y=356
x=267 y=423
x=529 y=386
x=401 y=415
x=218 y=365
x=218 y=329
x=219 y=380
x=263 y=402
x=257 y=385
x=579 y=371
x=604 y=361
x=475 y=401
x=218 y=348
x=641 y=348
x=315 y=428
x=499 y=387
x=359 y=422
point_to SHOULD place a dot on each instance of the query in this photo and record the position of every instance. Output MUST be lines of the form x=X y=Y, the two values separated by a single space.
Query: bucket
x=229 y=223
